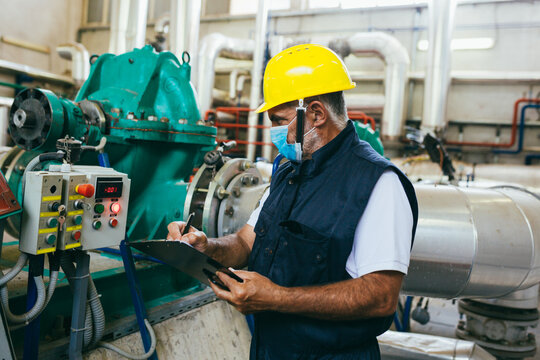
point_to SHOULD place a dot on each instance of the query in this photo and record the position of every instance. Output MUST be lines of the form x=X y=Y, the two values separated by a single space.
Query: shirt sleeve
x=255 y=214
x=382 y=240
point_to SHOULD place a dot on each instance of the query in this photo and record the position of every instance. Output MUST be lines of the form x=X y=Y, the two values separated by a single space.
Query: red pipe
x=358 y=115
x=514 y=129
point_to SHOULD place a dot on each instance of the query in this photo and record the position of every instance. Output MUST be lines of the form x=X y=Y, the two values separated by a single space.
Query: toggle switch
x=78 y=204
x=54 y=206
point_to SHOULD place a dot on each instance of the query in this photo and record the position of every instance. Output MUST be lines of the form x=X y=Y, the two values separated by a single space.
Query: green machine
x=144 y=105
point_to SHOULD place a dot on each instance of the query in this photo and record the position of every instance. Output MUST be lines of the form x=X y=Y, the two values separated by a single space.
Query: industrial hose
x=98 y=314
x=50 y=291
x=32 y=313
x=144 y=356
x=21 y=261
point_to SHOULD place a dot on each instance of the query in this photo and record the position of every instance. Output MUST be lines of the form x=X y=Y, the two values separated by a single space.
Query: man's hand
x=256 y=293
x=194 y=237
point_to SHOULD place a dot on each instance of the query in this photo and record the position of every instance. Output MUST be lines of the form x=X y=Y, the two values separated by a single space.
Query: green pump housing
x=144 y=104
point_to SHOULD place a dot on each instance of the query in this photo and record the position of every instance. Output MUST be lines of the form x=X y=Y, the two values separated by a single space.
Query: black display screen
x=109 y=188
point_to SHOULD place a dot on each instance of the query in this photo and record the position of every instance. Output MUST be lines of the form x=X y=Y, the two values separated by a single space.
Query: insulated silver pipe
x=184 y=30
x=261 y=25
x=473 y=242
x=441 y=26
x=128 y=25
x=212 y=45
x=396 y=58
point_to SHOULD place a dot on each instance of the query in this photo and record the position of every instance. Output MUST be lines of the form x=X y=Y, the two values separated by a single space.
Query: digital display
x=109 y=188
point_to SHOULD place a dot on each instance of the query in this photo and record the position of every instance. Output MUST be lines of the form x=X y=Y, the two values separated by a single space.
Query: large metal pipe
x=184 y=30
x=473 y=242
x=37 y=74
x=261 y=25
x=212 y=46
x=80 y=60
x=128 y=25
x=396 y=58
x=441 y=25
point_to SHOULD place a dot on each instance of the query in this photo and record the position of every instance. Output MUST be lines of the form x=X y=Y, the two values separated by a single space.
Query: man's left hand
x=256 y=293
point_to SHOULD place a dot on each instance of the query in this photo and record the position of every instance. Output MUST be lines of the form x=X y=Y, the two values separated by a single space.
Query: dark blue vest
x=304 y=236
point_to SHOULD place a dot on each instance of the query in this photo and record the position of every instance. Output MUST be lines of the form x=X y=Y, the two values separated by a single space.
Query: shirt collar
x=322 y=157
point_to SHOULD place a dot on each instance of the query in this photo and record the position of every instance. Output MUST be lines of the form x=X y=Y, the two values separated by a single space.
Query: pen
x=188 y=223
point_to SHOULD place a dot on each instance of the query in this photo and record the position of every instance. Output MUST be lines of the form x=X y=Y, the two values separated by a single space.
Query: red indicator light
x=115 y=207
x=113 y=222
x=76 y=235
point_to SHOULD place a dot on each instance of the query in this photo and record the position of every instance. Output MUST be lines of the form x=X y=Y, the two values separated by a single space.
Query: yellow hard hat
x=302 y=71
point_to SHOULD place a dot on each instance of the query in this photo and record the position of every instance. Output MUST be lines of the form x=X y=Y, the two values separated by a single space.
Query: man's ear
x=319 y=113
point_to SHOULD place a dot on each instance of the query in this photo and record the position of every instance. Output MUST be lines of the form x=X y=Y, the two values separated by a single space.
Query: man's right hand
x=194 y=237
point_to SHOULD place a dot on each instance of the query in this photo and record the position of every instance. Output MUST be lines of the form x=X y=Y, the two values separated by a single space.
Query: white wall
x=49 y=23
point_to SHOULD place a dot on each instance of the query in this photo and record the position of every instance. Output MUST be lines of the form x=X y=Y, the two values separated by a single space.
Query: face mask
x=292 y=152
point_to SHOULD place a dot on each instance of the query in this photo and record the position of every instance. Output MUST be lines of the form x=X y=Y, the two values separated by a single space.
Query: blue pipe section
x=103 y=160
x=521 y=131
x=403 y=324
x=136 y=296
x=529 y=158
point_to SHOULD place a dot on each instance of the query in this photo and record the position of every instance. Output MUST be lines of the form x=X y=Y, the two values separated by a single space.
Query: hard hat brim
x=267 y=106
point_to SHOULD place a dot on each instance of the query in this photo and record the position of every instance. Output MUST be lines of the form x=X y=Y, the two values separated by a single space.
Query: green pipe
x=11 y=85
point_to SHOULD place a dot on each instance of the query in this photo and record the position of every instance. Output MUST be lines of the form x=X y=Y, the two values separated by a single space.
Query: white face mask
x=292 y=152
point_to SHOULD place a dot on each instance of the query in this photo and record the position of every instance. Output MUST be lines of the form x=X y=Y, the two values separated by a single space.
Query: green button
x=77 y=220
x=96 y=224
x=99 y=208
x=50 y=239
x=52 y=222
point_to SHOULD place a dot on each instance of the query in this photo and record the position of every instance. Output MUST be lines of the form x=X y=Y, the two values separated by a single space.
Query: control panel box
x=104 y=221
x=41 y=212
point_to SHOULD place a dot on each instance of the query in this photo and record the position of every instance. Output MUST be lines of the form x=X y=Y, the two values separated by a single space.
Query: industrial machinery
x=137 y=111
x=144 y=105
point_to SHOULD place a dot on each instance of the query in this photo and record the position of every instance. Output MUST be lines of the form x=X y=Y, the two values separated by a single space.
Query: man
x=330 y=242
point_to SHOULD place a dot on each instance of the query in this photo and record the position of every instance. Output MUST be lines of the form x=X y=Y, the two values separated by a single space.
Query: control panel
x=104 y=224
x=42 y=208
x=74 y=206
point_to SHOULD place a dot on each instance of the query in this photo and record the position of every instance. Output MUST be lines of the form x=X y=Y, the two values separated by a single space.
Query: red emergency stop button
x=113 y=222
x=76 y=235
x=86 y=190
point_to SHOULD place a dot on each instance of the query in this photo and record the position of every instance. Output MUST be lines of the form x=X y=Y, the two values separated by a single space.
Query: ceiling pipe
x=261 y=26
x=184 y=30
x=212 y=46
x=437 y=83
x=396 y=58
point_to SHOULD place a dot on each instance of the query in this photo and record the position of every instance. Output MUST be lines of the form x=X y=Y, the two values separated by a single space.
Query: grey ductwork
x=473 y=242
x=396 y=58
x=212 y=46
x=437 y=84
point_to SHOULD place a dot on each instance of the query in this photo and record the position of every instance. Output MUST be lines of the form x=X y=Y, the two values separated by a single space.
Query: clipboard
x=186 y=258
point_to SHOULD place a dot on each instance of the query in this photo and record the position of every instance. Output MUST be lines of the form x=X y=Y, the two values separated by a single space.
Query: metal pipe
x=396 y=58
x=4 y=121
x=261 y=25
x=184 y=30
x=521 y=132
x=80 y=60
x=441 y=26
x=38 y=74
x=513 y=133
x=212 y=46
x=128 y=25
x=474 y=242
